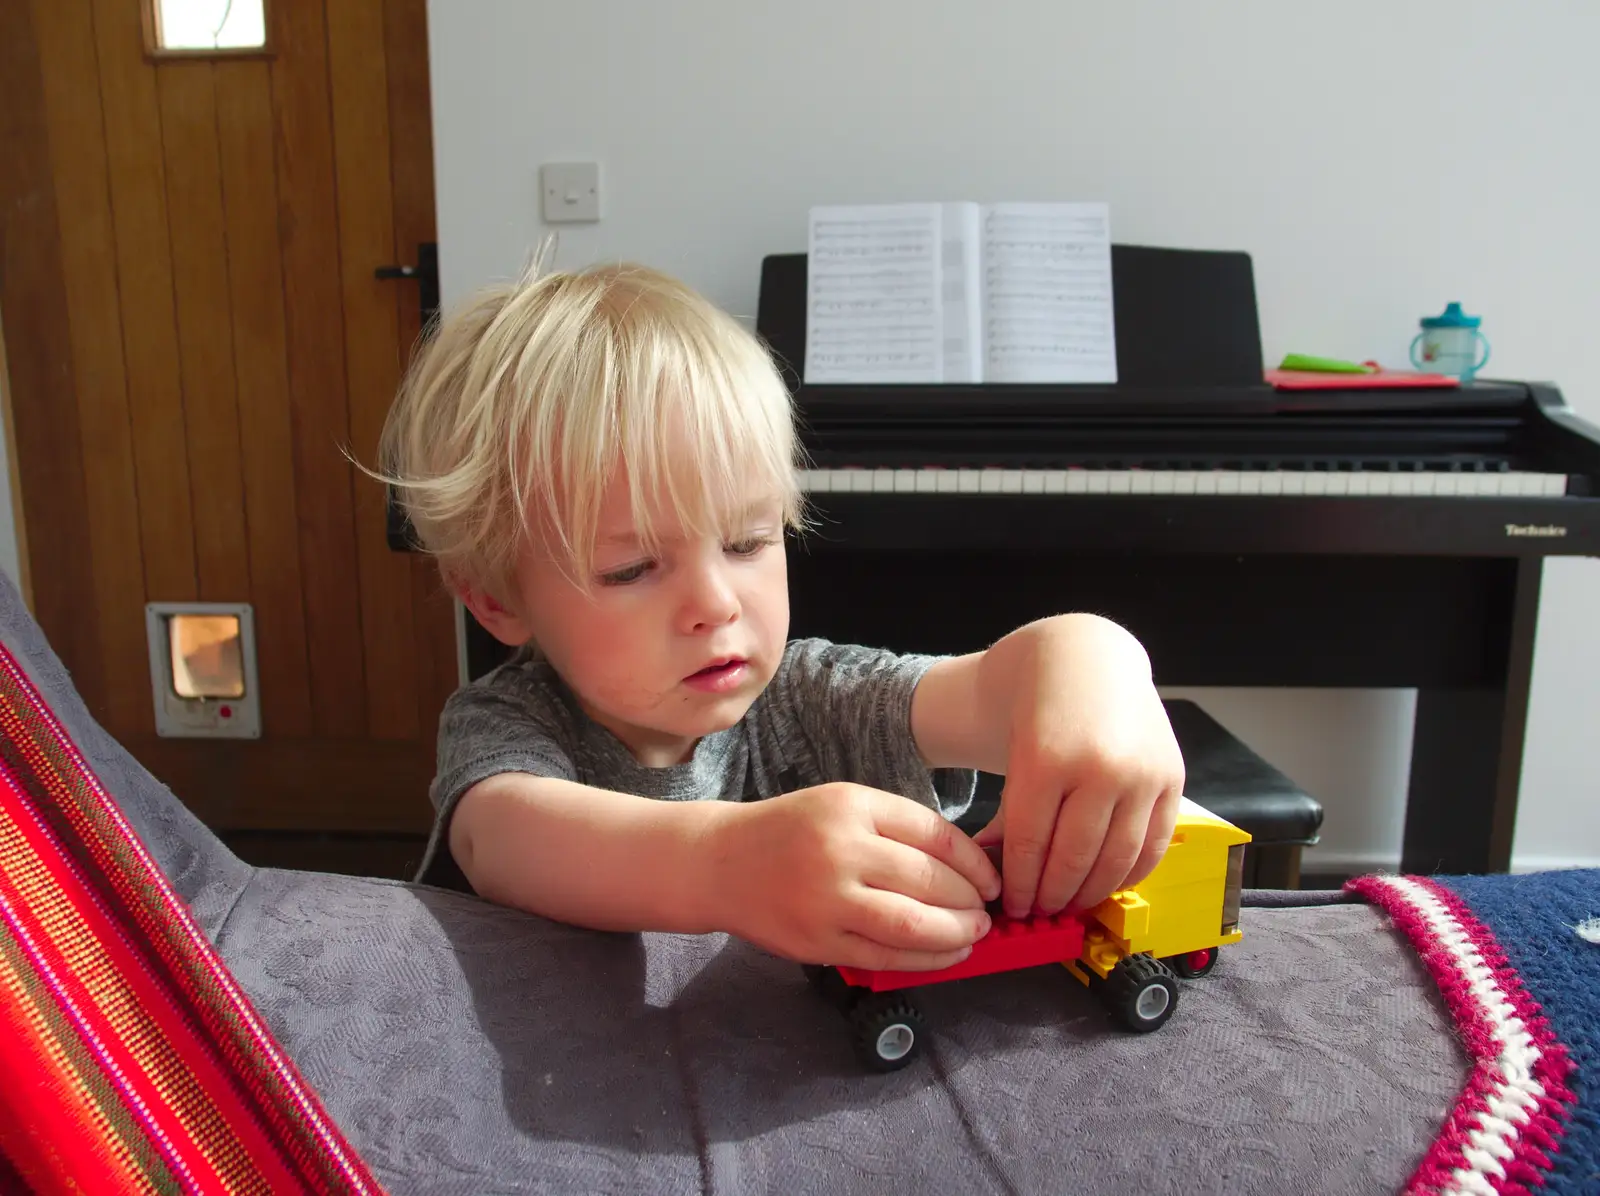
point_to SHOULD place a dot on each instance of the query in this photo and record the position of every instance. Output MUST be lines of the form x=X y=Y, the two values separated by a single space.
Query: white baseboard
x=1314 y=859
x=1550 y=863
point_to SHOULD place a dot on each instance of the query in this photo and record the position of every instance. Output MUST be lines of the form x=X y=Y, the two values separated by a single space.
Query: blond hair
x=533 y=394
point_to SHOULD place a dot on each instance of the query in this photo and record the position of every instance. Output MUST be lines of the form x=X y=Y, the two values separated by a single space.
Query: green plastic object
x=1324 y=365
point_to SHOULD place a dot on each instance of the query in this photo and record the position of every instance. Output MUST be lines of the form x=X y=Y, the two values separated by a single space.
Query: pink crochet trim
x=1510 y=1115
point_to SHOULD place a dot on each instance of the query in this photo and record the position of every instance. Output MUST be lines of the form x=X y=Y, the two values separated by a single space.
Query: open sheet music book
x=960 y=292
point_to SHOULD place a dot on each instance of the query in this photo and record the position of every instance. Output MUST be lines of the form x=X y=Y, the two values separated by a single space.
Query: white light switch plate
x=570 y=191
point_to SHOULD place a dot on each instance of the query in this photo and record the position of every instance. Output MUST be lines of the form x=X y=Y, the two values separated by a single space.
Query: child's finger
x=992 y=833
x=899 y=923
x=1075 y=847
x=860 y=952
x=1031 y=802
x=926 y=830
x=1163 y=821
x=1119 y=849
x=911 y=872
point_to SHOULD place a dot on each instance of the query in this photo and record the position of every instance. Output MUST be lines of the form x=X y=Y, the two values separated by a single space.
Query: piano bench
x=1231 y=781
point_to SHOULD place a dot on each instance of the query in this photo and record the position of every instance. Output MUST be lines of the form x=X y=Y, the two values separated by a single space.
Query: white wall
x=1378 y=160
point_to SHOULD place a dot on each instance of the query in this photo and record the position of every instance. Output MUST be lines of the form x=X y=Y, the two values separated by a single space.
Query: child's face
x=672 y=646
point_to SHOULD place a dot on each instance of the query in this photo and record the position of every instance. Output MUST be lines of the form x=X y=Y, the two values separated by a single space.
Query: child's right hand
x=847 y=875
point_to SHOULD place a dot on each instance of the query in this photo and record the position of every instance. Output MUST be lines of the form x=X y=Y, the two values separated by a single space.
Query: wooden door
x=195 y=334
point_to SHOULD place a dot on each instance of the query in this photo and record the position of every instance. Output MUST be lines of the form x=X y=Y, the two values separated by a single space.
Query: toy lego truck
x=1130 y=950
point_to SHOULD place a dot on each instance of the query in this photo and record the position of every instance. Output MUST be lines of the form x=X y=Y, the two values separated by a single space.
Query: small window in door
x=207 y=28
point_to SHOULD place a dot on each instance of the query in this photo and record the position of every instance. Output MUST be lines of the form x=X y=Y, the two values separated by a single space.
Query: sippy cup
x=1449 y=344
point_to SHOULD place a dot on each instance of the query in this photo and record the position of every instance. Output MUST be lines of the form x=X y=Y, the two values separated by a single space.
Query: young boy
x=604 y=466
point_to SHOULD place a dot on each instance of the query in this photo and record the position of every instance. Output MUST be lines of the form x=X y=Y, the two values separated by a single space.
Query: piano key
x=1388 y=479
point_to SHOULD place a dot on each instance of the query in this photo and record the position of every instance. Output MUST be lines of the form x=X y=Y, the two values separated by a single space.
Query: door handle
x=426 y=272
x=399 y=533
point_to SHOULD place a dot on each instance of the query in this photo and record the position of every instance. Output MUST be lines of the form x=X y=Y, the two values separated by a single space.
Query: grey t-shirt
x=832 y=712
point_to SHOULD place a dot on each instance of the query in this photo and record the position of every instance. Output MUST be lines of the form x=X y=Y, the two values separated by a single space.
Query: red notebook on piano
x=1337 y=380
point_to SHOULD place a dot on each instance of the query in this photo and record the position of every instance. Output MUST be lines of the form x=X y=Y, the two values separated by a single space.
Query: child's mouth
x=719 y=677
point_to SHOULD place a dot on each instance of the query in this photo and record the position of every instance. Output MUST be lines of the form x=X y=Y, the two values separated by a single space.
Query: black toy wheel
x=888 y=1030
x=1193 y=964
x=1141 y=993
x=828 y=984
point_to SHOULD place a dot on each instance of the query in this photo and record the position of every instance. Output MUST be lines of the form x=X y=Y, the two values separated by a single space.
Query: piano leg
x=1466 y=756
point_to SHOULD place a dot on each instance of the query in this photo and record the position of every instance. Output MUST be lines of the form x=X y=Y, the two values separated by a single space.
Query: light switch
x=570 y=190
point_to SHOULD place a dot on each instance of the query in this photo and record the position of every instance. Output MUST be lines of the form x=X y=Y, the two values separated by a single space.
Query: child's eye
x=749 y=545
x=622 y=577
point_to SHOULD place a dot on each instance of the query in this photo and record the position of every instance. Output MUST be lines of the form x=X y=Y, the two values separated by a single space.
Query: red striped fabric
x=133 y=1061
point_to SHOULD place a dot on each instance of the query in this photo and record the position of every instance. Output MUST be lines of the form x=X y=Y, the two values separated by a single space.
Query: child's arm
x=839 y=873
x=1066 y=708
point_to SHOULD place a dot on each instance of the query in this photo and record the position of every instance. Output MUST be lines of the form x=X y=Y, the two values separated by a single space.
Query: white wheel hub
x=1152 y=1002
x=894 y=1042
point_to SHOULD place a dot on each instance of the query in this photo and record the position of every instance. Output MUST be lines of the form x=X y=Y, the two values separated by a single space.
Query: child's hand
x=1093 y=771
x=845 y=874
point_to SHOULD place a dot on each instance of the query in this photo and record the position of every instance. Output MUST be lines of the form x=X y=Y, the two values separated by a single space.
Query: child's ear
x=497 y=619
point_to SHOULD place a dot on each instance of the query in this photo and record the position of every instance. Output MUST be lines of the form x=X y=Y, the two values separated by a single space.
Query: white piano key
x=1319 y=483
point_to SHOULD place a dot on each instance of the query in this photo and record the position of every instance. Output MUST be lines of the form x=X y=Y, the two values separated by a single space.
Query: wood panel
x=372 y=348
x=196 y=339
x=33 y=304
x=298 y=784
x=245 y=134
x=145 y=289
x=100 y=389
x=411 y=168
x=205 y=330
x=315 y=326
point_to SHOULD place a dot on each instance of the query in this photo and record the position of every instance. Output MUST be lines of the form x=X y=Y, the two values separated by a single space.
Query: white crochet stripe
x=1513 y=1092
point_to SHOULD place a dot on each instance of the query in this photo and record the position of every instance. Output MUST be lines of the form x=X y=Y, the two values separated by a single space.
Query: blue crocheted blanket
x=1517 y=959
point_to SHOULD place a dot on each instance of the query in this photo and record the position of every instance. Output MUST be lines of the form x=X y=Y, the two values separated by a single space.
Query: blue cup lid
x=1451 y=317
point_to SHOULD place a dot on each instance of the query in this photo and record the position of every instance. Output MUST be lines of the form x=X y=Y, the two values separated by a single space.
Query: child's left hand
x=1093 y=770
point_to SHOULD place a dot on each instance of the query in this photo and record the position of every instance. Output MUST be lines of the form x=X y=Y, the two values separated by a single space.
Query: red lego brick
x=1011 y=943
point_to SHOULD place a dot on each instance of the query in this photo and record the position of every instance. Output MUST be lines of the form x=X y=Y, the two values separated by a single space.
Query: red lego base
x=1011 y=943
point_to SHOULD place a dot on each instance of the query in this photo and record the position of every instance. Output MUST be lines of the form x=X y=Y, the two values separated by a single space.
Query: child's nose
x=711 y=600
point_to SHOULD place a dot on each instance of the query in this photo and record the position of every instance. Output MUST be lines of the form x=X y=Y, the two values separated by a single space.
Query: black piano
x=1249 y=537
